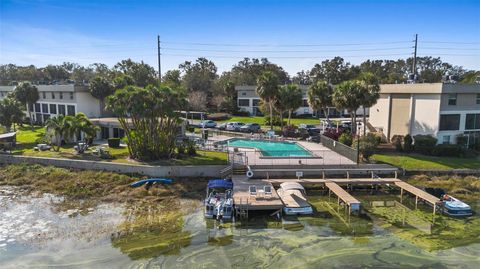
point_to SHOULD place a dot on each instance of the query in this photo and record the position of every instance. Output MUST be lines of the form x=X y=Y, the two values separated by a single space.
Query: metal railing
x=339 y=148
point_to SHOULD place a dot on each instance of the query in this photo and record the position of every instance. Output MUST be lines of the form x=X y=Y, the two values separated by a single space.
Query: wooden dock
x=351 y=202
x=339 y=181
x=404 y=186
x=244 y=201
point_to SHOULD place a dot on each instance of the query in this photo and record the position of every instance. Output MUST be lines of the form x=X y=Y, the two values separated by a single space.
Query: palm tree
x=27 y=94
x=10 y=112
x=267 y=90
x=60 y=126
x=348 y=95
x=280 y=103
x=370 y=93
x=82 y=124
x=293 y=100
x=319 y=96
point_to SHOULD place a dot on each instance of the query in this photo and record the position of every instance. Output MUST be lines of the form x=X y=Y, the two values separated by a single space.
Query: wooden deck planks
x=418 y=192
x=243 y=199
x=341 y=193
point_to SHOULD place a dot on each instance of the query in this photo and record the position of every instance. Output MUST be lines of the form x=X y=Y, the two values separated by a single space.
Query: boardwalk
x=339 y=181
x=418 y=193
x=350 y=201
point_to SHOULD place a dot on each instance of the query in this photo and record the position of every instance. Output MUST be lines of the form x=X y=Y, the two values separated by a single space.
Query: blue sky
x=294 y=34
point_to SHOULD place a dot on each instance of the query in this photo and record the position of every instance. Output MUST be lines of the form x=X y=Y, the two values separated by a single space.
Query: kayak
x=151 y=181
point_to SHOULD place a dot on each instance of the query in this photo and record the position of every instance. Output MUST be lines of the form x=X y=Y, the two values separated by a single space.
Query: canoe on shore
x=151 y=181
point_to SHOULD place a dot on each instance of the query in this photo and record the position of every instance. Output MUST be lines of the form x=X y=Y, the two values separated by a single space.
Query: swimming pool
x=271 y=148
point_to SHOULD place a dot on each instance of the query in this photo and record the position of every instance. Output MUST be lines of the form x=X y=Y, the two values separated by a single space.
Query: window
x=53 y=109
x=45 y=108
x=446 y=139
x=304 y=102
x=105 y=132
x=53 y=95
x=61 y=95
x=472 y=121
x=478 y=98
x=70 y=110
x=61 y=109
x=449 y=122
x=71 y=96
x=256 y=102
x=121 y=133
x=243 y=102
x=37 y=107
x=44 y=95
x=45 y=117
x=452 y=99
x=115 y=132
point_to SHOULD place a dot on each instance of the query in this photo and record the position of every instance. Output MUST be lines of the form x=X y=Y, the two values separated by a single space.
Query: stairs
x=240 y=170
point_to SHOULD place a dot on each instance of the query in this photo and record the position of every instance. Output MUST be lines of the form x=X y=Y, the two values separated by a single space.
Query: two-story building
x=248 y=101
x=438 y=109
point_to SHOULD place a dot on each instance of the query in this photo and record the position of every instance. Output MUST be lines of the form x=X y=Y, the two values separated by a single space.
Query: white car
x=208 y=124
x=234 y=126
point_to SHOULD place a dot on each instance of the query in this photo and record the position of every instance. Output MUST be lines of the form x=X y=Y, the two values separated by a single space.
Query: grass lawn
x=261 y=121
x=418 y=161
x=26 y=140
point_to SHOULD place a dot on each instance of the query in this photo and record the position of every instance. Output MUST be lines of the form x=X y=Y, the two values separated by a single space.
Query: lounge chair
x=252 y=190
x=267 y=191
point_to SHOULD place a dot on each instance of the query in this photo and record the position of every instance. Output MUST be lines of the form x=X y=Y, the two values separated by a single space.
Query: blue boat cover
x=220 y=183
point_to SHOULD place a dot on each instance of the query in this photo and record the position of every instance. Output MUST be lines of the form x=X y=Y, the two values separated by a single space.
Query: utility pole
x=159 y=61
x=414 y=67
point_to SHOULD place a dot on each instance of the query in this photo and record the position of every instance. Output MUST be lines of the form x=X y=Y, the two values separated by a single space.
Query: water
x=41 y=231
x=270 y=148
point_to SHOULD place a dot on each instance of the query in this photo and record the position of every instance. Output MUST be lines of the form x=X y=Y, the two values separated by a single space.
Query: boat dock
x=351 y=202
x=419 y=194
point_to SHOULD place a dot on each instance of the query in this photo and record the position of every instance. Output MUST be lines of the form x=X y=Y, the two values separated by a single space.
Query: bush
x=181 y=148
x=276 y=121
x=290 y=131
x=42 y=140
x=445 y=150
x=397 y=142
x=333 y=134
x=303 y=116
x=219 y=116
x=114 y=142
x=191 y=149
x=346 y=139
x=424 y=144
x=373 y=138
x=241 y=113
x=462 y=140
x=408 y=143
x=367 y=147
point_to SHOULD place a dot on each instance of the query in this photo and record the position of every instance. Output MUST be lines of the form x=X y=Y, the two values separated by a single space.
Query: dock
x=419 y=194
x=351 y=202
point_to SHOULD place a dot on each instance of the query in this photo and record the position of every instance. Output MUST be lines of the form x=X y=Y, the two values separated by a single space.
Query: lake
x=45 y=230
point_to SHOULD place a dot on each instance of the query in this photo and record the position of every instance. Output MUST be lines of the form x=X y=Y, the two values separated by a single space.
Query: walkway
x=350 y=201
x=434 y=201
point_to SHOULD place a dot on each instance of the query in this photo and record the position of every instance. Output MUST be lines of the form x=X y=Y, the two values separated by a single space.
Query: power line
x=281 y=57
x=283 y=45
x=285 y=51
x=449 y=42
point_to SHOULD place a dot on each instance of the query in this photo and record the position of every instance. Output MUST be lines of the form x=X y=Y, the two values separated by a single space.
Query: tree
x=319 y=96
x=267 y=90
x=172 y=79
x=80 y=123
x=302 y=78
x=347 y=95
x=230 y=97
x=289 y=98
x=141 y=73
x=197 y=100
x=199 y=76
x=27 y=94
x=58 y=127
x=10 y=112
x=369 y=95
x=149 y=118
x=100 y=88
x=121 y=81
x=247 y=71
x=334 y=71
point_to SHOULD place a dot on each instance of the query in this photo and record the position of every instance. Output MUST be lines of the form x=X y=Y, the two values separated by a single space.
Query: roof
x=220 y=183
x=430 y=88
x=7 y=135
x=291 y=186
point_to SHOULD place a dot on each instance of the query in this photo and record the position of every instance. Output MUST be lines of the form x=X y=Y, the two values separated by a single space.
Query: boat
x=151 y=181
x=454 y=207
x=294 y=198
x=219 y=200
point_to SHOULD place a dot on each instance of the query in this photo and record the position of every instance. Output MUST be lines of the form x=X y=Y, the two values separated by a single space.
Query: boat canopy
x=291 y=186
x=220 y=183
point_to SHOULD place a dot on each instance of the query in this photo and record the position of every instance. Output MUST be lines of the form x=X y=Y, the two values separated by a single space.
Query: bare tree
x=197 y=100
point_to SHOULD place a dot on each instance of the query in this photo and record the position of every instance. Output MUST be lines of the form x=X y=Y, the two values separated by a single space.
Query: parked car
x=310 y=128
x=234 y=126
x=208 y=124
x=223 y=126
x=250 y=128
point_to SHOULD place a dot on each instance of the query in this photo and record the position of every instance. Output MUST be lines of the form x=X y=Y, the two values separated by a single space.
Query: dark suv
x=250 y=128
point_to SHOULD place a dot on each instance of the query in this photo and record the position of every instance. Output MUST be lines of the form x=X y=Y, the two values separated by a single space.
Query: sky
x=293 y=34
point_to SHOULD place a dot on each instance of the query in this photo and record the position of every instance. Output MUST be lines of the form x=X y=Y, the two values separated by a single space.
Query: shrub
x=191 y=149
x=333 y=134
x=445 y=150
x=290 y=131
x=462 y=140
x=276 y=121
x=424 y=144
x=367 y=147
x=373 y=138
x=218 y=116
x=242 y=113
x=346 y=139
x=408 y=143
x=42 y=140
x=303 y=116
x=181 y=148
x=114 y=142
x=397 y=142
x=191 y=129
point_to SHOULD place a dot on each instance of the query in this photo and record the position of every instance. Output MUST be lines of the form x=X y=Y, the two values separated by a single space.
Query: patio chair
x=267 y=190
x=252 y=190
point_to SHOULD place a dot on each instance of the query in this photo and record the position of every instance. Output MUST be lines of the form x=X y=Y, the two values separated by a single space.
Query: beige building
x=438 y=109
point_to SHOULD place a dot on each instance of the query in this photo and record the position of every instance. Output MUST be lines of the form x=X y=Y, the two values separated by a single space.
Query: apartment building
x=248 y=101
x=60 y=99
x=438 y=109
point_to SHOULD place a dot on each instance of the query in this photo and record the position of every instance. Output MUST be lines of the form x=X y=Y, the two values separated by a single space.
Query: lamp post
x=358 y=145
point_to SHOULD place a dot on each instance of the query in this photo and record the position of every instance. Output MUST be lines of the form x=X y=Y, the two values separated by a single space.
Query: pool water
x=271 y=148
